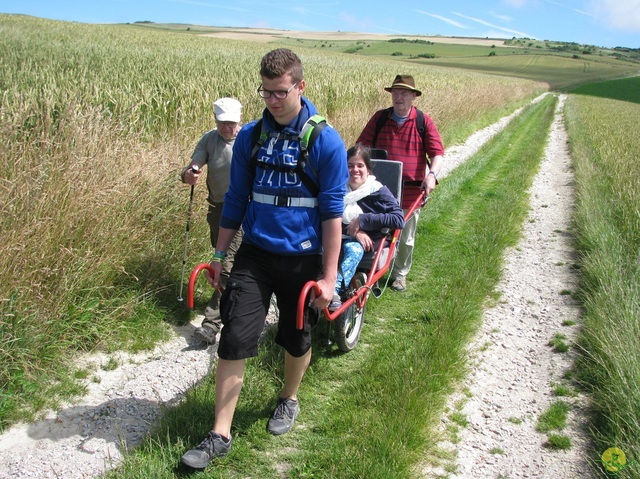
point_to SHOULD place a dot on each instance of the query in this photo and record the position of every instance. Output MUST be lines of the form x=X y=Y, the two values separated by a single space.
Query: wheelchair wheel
x=349 y=324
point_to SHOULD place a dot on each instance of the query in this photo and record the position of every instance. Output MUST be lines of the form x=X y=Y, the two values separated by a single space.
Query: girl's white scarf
x=351 y=208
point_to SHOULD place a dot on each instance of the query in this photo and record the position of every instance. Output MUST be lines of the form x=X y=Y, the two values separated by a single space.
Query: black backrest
x=389 y=173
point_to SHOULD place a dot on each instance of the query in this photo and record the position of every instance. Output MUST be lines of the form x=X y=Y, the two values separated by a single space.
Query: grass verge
x=372 y=412
x=605 y=147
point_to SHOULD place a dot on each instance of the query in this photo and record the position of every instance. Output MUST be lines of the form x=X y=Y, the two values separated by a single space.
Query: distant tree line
x=404 y=40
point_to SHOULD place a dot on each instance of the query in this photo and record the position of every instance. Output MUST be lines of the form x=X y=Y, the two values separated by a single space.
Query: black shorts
x=255 y=276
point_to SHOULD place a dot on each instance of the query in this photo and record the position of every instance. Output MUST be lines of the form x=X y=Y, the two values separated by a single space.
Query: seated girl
x=369 y=207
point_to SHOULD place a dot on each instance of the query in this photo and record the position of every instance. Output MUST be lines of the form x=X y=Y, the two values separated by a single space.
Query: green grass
x=563 y=390
x=626 y=89
x=542 y=62
x=558 y=343
x=558 y=442
x=460 y=419
x=440 y=50
x=554 y=418
x=605 y=148
x=411 y=353
x=560 y=72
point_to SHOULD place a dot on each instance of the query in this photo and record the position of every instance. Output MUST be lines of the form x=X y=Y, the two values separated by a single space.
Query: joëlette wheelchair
x=349 y=317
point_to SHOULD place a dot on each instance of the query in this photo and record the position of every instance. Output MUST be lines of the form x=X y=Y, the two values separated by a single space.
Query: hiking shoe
x=399 y=284
x=335 y=303
x=283 y=416
x=214 y=445
x=206 y=334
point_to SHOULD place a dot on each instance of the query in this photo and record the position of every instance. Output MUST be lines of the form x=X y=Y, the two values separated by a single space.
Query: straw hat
x=406 y=82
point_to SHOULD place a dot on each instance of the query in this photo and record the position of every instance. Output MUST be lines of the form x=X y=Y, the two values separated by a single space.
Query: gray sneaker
x=399 y=284
x=283 y=416
x=213 y=446
x=206 y=334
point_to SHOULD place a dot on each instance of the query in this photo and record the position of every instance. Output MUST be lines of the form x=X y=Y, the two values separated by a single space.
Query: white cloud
x=309 y=13
x=515 y=3
x=618 y=14
x=444 y=19
x=503 y=29
x=582 y=12
x=502 y=18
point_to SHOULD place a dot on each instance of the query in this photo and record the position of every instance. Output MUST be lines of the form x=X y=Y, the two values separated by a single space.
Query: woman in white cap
x=215 y=150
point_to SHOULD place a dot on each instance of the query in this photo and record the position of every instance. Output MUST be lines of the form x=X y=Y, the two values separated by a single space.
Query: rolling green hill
x=562 y=65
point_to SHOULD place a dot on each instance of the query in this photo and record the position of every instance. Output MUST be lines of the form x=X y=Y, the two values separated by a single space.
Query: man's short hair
x=279 y=62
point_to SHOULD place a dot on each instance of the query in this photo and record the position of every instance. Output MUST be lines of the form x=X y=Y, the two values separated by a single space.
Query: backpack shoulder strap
x=382 y=119
x=421 y=130
x=310 y=132
x=258 y=137
x=420 y=123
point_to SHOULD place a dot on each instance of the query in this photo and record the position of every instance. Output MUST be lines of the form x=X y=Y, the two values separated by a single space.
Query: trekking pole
x=194 y=169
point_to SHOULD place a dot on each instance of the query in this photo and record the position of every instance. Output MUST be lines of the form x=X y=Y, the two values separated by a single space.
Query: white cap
x=227 y=109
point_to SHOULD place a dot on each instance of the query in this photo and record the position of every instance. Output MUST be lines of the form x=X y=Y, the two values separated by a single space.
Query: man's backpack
x=419 y=124
x=383 y=118
x=310 y=131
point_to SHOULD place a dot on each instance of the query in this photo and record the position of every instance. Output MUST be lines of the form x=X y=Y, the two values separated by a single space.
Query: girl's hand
x=354 y=227
x=364 y=239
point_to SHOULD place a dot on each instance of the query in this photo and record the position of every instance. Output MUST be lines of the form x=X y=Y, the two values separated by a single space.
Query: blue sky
x=606 y=23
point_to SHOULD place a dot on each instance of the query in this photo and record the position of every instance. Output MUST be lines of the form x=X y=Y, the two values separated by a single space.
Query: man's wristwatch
x=433 y=173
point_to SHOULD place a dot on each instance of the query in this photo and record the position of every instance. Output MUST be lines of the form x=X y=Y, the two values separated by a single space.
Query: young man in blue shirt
x=289 y=232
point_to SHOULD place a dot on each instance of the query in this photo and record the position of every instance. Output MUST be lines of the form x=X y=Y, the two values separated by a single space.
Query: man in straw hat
x=411 y=137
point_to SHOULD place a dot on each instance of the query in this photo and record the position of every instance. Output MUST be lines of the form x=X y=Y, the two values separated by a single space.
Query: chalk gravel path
x=513 y=368
x=512 y=379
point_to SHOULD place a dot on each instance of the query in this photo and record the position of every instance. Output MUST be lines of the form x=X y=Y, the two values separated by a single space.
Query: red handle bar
x=192 y=281
x=302 y=299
